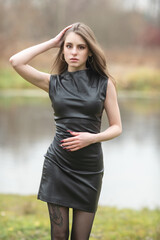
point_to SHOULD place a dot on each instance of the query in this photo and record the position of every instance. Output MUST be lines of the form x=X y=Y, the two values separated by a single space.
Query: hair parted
x=97 y=62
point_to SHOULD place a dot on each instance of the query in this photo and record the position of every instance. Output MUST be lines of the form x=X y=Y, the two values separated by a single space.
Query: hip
x=89 y=158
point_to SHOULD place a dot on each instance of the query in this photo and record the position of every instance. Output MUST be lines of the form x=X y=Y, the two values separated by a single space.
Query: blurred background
x=129 y=33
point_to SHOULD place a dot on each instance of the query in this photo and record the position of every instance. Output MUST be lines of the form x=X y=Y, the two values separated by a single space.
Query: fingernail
x=62 y=141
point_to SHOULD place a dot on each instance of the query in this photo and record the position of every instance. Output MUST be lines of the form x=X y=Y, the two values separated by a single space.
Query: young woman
x=81 y=89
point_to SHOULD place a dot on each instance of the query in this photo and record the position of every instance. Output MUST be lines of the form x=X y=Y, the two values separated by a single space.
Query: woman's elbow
x=119 y=130
x=13 y=61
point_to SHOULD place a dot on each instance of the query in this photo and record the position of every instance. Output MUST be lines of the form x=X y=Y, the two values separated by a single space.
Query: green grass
x=25 y=218
x=10 y=79
x=142 y=79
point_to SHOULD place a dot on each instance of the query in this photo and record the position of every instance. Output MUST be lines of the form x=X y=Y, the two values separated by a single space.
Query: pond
x=132 y=161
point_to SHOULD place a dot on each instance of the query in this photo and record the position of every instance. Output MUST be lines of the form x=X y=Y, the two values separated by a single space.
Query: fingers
x=70 y=139
x=64 y=30
x=74 y=143
x=73 y=133
x=59 y=38
x=71 y=143
x=71 y=146
x=74 y=149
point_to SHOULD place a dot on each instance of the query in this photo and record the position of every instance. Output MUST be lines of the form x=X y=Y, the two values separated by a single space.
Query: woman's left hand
x=78 y=141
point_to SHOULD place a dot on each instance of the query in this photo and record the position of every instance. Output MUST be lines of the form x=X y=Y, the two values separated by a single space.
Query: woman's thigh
x=59 y=219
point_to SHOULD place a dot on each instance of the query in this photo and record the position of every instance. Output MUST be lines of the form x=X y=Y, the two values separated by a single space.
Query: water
x=132 y=161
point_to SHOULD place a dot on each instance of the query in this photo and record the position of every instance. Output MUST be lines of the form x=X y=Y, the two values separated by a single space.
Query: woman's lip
x=74 y=59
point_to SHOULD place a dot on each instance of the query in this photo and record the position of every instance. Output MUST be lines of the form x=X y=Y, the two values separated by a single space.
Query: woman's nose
x=74 y=50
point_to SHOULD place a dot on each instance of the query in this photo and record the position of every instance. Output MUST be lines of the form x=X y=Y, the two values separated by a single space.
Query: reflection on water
x=132 y=162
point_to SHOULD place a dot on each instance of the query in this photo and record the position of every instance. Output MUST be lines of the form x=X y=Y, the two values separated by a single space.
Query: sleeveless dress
x=74 y=179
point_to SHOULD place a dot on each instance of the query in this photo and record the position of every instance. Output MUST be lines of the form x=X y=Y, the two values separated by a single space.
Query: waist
x=77 y=125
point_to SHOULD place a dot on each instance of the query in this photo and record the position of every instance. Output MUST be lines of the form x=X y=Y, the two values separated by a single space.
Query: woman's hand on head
x=78 y=141
x=59 y=38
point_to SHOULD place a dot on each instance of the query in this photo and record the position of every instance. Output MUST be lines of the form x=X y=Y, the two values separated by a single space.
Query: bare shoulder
x=111 y=89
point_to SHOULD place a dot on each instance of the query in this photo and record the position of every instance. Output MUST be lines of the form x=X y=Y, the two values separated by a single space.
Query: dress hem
x=64 y=204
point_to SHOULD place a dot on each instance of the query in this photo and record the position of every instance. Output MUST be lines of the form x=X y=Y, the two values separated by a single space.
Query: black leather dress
x=73 y=179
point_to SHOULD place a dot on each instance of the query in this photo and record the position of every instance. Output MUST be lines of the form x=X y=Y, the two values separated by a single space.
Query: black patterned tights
x=59 y=218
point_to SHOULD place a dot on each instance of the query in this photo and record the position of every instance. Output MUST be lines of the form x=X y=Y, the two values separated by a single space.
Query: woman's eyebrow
x=82 y=44
x=77 y=44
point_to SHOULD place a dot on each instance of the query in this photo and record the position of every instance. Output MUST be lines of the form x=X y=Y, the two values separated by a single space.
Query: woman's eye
x=68 y=46
x=81 y=47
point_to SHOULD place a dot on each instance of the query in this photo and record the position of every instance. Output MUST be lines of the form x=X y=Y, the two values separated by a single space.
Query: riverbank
x=129 y=78
x=37 y=93
x=23 y=217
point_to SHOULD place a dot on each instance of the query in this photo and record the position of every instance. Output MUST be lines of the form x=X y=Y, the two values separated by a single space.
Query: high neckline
x=77 y=71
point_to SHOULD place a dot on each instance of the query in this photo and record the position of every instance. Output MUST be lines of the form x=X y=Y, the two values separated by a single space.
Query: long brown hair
x=97 y=62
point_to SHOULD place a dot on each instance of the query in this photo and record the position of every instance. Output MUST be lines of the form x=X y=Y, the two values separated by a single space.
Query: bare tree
x=117 y=22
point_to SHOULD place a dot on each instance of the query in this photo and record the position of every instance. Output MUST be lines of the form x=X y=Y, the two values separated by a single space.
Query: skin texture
x=75 y=53
x=20 y=61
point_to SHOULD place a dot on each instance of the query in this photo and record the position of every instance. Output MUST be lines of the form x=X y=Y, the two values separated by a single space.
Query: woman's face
x=75 y=52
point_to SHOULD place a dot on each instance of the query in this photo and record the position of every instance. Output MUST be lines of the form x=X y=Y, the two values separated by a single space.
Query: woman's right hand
x=59 y=38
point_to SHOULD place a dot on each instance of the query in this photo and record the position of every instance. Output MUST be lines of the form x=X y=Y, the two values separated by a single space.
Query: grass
x=10 y=79
x=140 y=79
x=25 y=218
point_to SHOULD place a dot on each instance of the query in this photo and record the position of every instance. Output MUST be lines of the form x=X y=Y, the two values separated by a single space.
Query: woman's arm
x=20 y=61
x=83 y=139
x=113 y=114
